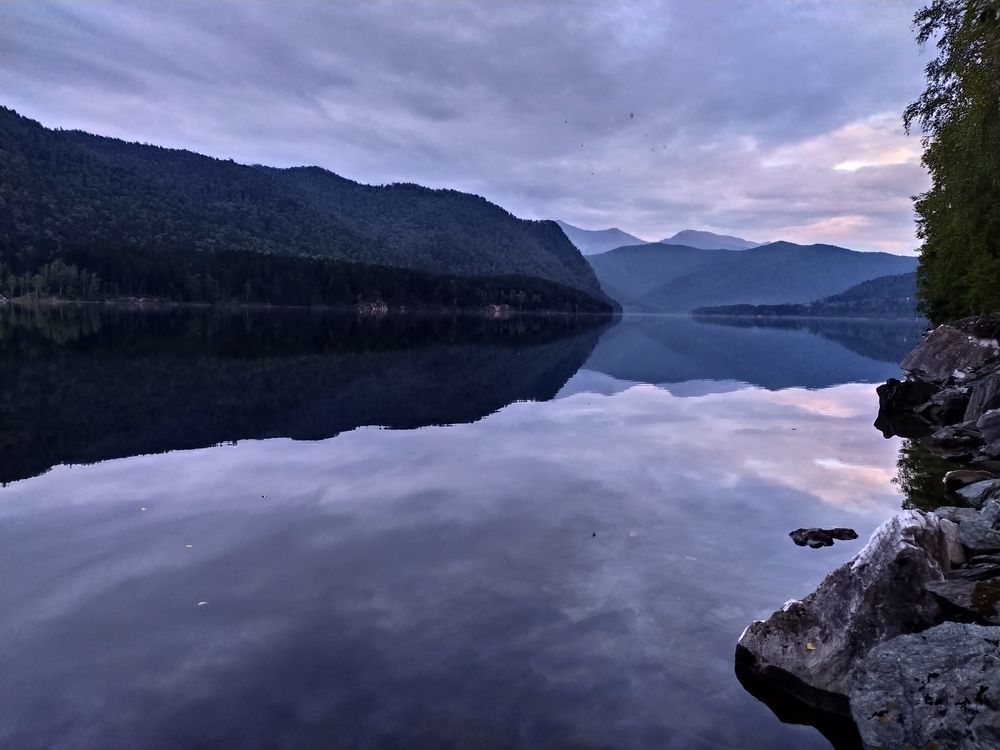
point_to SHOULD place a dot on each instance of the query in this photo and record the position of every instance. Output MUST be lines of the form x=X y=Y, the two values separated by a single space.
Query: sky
x=776 y=119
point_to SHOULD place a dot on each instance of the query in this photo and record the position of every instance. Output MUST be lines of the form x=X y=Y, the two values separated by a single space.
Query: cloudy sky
x=777 y=119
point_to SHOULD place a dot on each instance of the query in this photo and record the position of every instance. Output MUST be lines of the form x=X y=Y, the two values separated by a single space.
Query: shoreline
x=364 y=309
x=900 y=646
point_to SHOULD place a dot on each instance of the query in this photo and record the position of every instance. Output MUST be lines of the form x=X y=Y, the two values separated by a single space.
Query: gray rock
x=957 y=515
x=990 y=514
x=990 y=451
x=984 y=395
x=949 y=355
x=978 y=493
x=977 y=537
x=984 y=559
x=935 y=689
x=970 y=599
x=946 y=407
x=978 y=572
x=814 y=644
x=989 y=425
x=897 y=402
x=956 y=441
x=953 y=480
x=817 y=538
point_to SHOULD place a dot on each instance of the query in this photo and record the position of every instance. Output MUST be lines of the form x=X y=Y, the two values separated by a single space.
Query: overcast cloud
x=771 y=120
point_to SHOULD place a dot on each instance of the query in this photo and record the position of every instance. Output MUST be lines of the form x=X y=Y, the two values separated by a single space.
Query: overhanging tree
x=958 y=219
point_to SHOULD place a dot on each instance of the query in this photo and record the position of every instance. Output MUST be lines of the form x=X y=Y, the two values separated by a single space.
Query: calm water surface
x=211 y=540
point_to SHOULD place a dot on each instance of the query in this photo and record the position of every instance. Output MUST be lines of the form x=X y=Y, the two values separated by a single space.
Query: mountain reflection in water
x=85 y=384
x=556 y=568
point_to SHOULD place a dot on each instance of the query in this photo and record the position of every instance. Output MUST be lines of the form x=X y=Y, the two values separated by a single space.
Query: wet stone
x=816 y=538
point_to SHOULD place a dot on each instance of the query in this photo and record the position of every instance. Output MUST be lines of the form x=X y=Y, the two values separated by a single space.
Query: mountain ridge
x=710 y=240
x=676 y=278
x=97 y=202
x=594 y=241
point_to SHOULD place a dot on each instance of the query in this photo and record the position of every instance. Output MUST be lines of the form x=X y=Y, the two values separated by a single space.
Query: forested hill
x=152 y=221
x=884 y=297
x=675 y=278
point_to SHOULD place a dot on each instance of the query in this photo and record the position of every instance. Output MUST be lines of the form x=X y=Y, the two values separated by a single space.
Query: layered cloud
x=771 y=120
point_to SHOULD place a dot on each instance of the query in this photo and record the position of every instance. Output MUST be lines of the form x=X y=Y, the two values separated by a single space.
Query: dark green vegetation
x=884 y=297
x=920 y=476
x=90 y=217
x=958 y=219
x=674 y=278
x=80 y=384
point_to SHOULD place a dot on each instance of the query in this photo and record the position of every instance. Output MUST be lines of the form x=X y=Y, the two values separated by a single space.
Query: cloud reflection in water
x=434 y=587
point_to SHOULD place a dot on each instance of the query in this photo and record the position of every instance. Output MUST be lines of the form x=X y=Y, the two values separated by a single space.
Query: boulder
x=977 y=493
x=989 y=454
x=956 y=441
x=978 y=538
x=947 y=406
x=987 y=559
x=990 y=514
x=980 y=534
x=989 y=425
x=935 y=689
x=982 y=326
x=810 y=647
x=958 y=478
x=953 y=354
x=957 y=515
x=975 y=572
x=816 y=538
x=897 y=400
x=984 y=395
x=969 y=599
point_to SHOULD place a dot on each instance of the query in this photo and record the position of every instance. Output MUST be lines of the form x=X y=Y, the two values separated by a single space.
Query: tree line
x=958 y=218
x=236 y=277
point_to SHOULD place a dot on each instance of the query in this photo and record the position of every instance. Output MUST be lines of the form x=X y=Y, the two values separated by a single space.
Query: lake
x=290 y=529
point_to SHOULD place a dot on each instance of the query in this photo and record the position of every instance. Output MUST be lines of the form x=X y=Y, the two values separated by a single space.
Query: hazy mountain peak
x=593 y=241
x=677 y=278
x=708 y=240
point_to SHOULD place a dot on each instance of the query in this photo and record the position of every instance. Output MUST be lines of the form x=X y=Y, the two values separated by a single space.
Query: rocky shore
x=900 y=647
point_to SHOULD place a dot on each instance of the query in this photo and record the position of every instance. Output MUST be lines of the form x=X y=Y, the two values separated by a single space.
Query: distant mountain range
x=89 y=216
x=709 y=240
x=592 y=241
x=882 y=297
x=659 y=277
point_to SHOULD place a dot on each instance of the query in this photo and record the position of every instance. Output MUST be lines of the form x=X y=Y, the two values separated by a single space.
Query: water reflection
x=571 y=572
x=86 y=384
x=723 y=353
